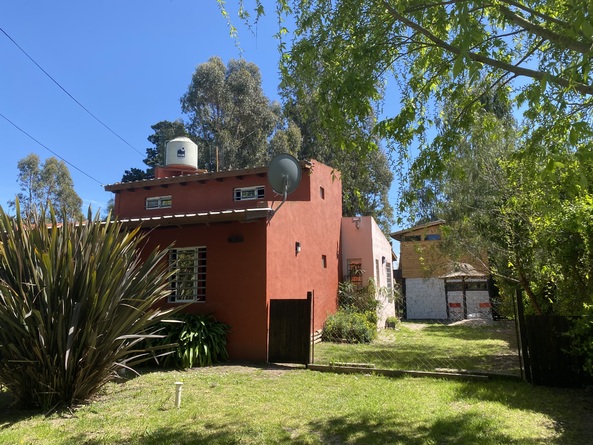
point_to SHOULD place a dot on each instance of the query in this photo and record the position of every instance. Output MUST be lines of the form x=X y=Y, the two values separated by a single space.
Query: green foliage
x=392 y=322
x=163 y=132
x=349 y=327
x=582 y=339
x=358 y=298
x=75 y=300
x=356 y=319
x=433 y=52
x=229 y=114
x=364 y=171
x=200 y=341
x=46 y=184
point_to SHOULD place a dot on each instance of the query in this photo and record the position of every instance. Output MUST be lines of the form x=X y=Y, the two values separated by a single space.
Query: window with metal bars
x=188 y=282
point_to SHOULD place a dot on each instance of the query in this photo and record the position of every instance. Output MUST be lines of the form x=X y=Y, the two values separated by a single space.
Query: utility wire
x=50 y=150
x=70 y=95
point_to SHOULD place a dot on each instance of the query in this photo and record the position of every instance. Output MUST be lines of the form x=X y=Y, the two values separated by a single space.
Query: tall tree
x=365 y=173
x=434 y=51
x=164 y=131
x=229 y=114
x=528 y=214
x=45 y=184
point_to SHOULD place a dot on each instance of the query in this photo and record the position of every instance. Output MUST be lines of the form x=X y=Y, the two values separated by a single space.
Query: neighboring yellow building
x=434 y=286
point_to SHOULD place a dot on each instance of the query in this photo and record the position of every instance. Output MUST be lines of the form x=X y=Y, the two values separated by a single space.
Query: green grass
x=489 y=348
x=251 y=405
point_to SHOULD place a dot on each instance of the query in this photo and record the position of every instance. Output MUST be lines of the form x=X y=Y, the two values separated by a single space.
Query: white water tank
x=182 y=152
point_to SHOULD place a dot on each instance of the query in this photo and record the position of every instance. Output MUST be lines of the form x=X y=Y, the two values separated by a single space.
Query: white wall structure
x=425 y=298
x=363 y=240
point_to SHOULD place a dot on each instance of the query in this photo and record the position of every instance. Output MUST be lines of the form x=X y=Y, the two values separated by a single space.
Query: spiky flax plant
x=75 y=301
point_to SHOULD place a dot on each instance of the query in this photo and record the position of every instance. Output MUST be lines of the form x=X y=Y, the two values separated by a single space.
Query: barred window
x=188 y=283
x=355 y=271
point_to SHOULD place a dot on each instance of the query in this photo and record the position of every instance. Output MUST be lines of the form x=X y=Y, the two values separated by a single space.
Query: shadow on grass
x=571 y=409
x=466 y=429
x=380 y=429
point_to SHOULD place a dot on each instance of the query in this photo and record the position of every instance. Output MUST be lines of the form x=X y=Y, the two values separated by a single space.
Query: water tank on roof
x=182 y=152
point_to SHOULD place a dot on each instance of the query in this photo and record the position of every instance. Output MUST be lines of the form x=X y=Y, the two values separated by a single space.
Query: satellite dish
x=284 y=174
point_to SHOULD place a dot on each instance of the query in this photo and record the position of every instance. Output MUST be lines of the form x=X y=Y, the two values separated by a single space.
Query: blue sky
x=127 y=62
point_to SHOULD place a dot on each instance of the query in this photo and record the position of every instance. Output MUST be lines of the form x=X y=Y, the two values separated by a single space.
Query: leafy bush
x=350 y=327
x=582 y=340
x=358 y=299
x=75 y=301
x=200 y=341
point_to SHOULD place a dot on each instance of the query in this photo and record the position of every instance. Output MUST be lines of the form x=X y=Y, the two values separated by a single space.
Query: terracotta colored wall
x=316 y=225
x=196 y=196
x=243 y=277
x=235 y=280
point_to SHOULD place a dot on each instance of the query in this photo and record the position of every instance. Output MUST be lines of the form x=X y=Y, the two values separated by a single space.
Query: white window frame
x=161 y=202
x=249 y=193
x=389 y=274
x=189 y=264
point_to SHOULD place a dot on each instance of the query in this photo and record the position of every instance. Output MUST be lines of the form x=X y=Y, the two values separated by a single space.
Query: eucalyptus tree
x=229 y=114
x=46 y=183
x=364 y=169
x=163 y=132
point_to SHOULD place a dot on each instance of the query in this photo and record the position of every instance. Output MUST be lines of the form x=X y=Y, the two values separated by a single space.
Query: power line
x=70 y=95
x=50 y=150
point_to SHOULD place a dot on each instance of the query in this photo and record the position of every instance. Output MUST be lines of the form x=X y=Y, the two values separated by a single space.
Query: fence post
x=522 y=337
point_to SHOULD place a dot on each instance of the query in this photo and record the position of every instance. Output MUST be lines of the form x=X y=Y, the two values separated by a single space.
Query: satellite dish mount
x=284 y=175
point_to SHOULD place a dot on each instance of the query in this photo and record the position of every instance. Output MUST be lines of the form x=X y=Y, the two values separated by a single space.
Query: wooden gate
x=289 y=338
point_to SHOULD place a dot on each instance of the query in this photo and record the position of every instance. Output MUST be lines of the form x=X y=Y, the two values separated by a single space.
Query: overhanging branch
x=517 y=70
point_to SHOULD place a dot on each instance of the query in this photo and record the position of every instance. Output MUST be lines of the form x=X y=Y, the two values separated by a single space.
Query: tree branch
x=547 y=34
x=535 y=13
x=534 y=74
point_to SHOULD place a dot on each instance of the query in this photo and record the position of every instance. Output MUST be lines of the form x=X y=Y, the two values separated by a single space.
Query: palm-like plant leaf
x=75 y=299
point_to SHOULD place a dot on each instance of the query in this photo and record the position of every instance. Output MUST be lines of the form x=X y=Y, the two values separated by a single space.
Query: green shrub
x=350 y=327
x=392 y=322
x=582 y=340
x=358 y=299
x=75 y=301
x=199 y=340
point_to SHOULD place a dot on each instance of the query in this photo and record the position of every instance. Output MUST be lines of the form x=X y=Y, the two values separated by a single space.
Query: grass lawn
x=477 y=346
x=269 y=405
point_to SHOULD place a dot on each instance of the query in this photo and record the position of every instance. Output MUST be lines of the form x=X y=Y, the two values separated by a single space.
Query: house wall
x=422 y=259
x=425 y=298
x=235 y=280
x=199 y=193
x=362 y=238
x=243 y=277
x=316 y=226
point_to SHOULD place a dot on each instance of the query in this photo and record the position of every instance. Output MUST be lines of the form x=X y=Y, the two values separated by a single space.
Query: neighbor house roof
x=399 y=234
x=463 y=270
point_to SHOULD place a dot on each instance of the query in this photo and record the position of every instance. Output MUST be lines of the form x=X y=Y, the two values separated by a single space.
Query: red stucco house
x=233 y=256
